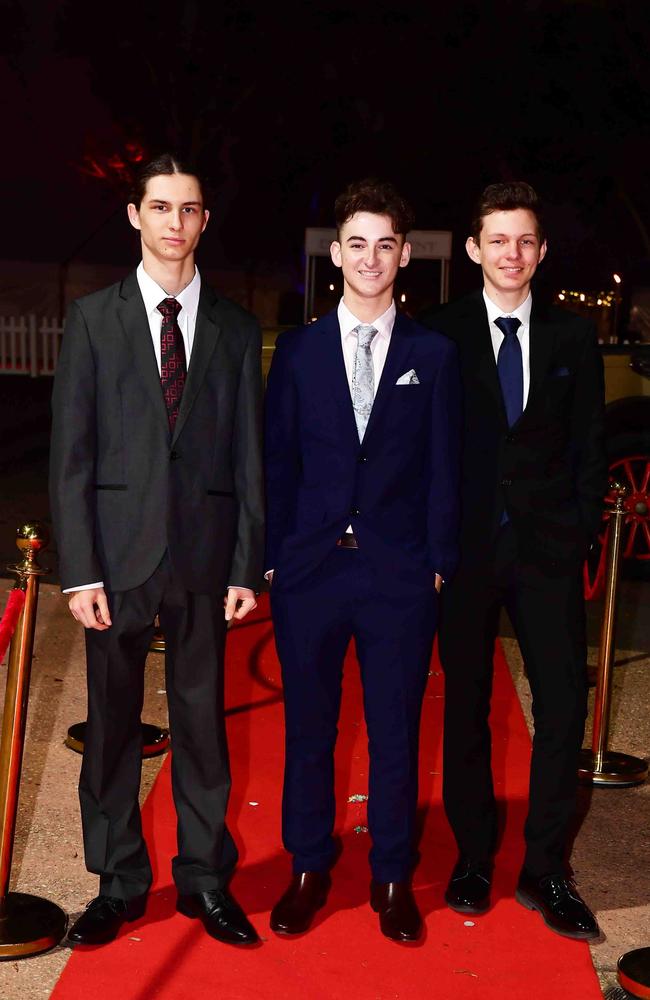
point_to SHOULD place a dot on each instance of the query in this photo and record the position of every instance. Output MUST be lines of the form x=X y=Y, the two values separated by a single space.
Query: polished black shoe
x=559 y=904
x=469 y=887
x=222 y=917
x=295 y=910
x=399 y=917
x=103 y=917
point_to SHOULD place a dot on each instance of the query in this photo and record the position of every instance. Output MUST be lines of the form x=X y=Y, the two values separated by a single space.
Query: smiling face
x=369 y=254
x=170 y=218
x=508 y=252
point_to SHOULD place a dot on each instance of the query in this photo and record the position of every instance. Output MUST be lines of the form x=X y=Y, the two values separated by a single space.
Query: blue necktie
x=510 y=367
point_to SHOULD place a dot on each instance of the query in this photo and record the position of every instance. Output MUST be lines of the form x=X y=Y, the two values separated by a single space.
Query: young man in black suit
x=534 y=475
x=157 y=503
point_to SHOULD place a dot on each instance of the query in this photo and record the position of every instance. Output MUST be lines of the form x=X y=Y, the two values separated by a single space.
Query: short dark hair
x=166 y=163
x=377 y=197
x=507 y=197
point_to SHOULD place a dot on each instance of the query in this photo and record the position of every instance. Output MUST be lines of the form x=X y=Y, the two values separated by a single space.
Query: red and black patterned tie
x=172 y=358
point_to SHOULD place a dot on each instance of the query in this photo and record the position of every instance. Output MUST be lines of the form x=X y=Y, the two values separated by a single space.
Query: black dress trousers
x=547 y=613
x=194 y=629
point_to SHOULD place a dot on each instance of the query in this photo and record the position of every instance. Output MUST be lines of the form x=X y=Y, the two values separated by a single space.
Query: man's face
x=171 y=216
x=509 y=251
x=370 y=254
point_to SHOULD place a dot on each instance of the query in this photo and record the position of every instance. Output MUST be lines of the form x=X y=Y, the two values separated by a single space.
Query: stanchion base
x=633 y=971
x=29 y=925
x=157 y=643
x=618 y=770
x=155 y=740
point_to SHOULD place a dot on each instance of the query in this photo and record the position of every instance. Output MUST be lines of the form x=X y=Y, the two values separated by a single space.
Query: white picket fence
x=29 y=345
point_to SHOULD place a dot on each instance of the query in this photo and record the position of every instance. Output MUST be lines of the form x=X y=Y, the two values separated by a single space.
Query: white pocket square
x=408 y=378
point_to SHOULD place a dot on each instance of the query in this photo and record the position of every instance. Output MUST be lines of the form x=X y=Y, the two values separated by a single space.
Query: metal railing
x=29 y=345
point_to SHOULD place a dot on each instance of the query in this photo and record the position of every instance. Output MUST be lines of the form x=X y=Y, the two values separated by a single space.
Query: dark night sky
x=284 y=107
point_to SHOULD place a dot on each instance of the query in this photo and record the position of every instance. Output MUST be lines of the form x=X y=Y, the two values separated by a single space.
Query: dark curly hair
x=377 y=197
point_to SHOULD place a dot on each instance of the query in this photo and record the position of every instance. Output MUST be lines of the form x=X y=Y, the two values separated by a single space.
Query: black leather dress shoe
x=295 y=910
x=222 y=917
x=399 y=917
x=469 y=887
x=103 y=917
x=559 y=904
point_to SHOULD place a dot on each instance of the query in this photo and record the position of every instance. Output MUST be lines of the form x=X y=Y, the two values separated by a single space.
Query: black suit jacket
x=122 y=489
x=549 y=469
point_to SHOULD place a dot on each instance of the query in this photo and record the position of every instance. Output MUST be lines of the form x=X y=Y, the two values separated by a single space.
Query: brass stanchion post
x=28 y=924
x=598 y=765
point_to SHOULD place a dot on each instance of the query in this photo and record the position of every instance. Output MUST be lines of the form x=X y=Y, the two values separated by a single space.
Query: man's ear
x=542 y=252
x=335 y=253
x=405 y=255
x=134 y=215
x=206 y=216
x=473 y=250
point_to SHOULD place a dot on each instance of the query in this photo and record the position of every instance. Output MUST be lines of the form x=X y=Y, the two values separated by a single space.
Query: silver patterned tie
x=363 y=377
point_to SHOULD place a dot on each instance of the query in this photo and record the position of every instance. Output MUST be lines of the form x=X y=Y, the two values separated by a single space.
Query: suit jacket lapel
x=332 y=370
x=396 y=364
x=542 y=343
x=480 y=352
x=206 y=335
x=137 y=332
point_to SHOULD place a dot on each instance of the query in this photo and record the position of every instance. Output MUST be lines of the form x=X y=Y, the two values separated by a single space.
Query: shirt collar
x=383 y=324
x=522 y=312
x=153 y=294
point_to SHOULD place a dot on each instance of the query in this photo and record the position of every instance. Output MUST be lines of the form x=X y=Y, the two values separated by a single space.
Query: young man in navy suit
x=362 y=451
x=533 y=478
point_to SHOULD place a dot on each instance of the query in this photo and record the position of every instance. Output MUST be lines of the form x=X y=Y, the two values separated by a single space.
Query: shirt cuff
x=85 y=586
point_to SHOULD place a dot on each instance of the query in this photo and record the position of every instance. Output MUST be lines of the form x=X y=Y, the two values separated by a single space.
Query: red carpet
x=506 y=953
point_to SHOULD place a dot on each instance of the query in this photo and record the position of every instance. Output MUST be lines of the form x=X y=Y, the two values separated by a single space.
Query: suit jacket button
x=506 y=482
x=510 y=437
x=173 y=455
x=355 y=512
x=363 y=458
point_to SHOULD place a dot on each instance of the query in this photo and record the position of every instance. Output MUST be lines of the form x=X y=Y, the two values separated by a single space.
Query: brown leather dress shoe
x=399 y=917
x=295 y=910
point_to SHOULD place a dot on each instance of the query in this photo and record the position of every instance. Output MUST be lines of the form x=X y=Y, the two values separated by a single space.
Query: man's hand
x=438 y=582
x=242 y=596
x=90 y=607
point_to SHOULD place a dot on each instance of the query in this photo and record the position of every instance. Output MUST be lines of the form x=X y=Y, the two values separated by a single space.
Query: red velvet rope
x=15 y=605
x=595 y=588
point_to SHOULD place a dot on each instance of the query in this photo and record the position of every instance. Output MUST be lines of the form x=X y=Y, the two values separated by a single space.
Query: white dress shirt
x=522 y=313
x=379 y=346
x=152 y=295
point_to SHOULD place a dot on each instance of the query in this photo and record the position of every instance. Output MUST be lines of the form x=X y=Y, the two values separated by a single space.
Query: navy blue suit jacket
x=398 y=488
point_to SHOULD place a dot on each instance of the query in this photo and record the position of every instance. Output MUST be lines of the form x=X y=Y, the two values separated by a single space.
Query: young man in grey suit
x=533 y=478
x=157 y=504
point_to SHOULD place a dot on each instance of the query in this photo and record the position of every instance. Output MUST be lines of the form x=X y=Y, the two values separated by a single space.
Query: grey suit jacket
x=124 y=490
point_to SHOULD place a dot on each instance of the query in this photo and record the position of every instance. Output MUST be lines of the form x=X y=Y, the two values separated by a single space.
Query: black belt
x=347 y=541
